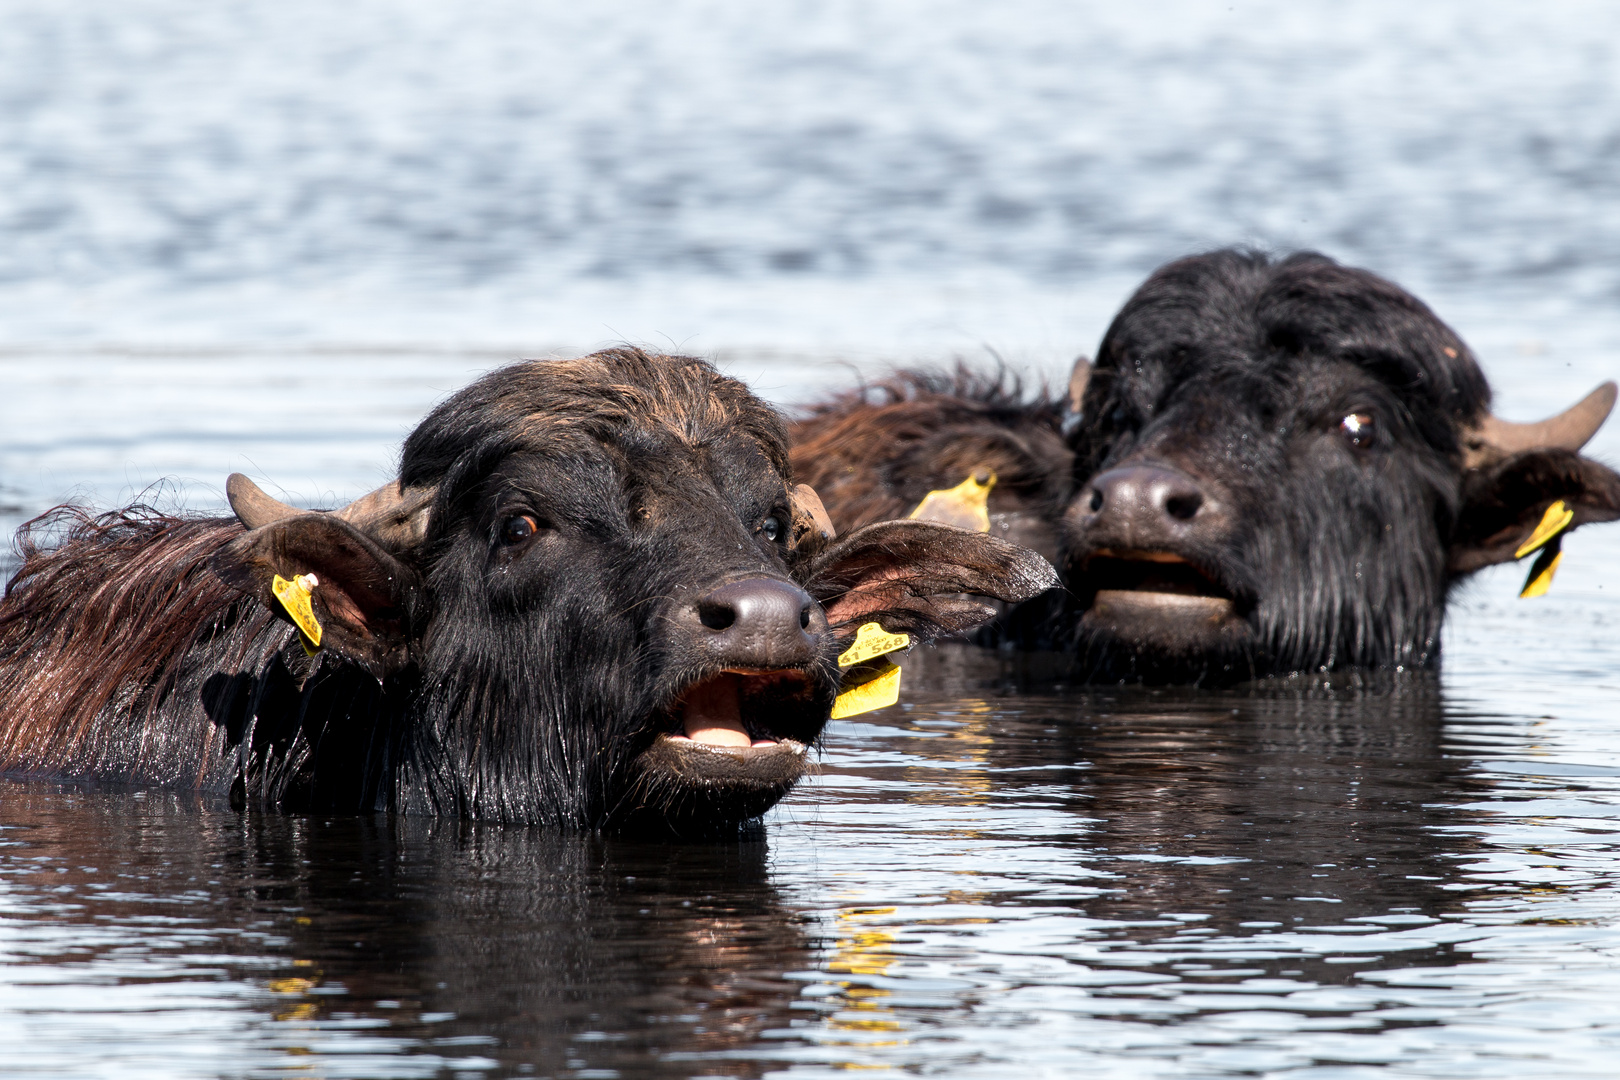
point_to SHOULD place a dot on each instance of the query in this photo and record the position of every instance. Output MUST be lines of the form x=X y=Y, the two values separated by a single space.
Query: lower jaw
x=683 y=760
x=692 y=788
x=1175 y=624
x=1180 y=607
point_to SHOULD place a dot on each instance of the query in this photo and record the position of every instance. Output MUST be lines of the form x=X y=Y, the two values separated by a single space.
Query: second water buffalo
x=1273 y=466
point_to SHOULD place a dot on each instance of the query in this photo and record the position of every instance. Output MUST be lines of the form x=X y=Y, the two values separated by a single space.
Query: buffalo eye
x=518 y=528
x=1359 y=429
x=771 y=529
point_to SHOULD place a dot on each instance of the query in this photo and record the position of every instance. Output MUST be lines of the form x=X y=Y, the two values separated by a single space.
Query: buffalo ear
x=911 y=576
x=363 y=597
x=1504 y=501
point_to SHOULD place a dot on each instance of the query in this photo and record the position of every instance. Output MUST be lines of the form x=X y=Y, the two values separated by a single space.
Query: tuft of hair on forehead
x=606 y=395
x=1247 y=304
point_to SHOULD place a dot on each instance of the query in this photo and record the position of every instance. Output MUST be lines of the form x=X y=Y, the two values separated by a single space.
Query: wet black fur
x=1238 y=369
x=625 y=514
x=529 y=693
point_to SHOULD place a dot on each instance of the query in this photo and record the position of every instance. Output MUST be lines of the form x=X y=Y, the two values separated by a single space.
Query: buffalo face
x=636 y=587
x=603 y=600
x=1272 y=467
x=1287 y=467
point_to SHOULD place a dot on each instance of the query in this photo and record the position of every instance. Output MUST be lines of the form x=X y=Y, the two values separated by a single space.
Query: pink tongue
x=712 y=713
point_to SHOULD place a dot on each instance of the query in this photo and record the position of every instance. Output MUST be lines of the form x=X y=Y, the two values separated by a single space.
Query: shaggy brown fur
x=99 y=624
x=873 y=453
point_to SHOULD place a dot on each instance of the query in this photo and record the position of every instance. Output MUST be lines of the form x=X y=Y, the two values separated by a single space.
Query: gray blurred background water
x=199 y=205
x=268 y=236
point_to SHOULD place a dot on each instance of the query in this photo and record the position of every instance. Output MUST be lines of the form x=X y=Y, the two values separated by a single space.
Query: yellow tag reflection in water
x=864 y=951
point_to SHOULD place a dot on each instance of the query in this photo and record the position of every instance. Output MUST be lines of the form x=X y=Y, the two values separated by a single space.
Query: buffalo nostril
x=757 y=622
x=716 y=616
x=1134 y=504
x=1184 y=507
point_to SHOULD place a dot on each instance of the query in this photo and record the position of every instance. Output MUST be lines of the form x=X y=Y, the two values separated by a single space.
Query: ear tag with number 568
x=870 y=680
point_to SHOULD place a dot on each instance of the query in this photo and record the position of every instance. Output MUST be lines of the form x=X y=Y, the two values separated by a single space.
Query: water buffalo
x=593 y=596
x=1273 y=466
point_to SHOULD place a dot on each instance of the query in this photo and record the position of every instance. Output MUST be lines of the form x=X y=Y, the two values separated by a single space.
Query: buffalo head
x=595 y=595
x=1288 y=466
x=1271 y=467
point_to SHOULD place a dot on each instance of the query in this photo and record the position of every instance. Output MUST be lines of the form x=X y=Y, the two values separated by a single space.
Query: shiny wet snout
x=754 y=642
x=760 y=623
x=1146 y=507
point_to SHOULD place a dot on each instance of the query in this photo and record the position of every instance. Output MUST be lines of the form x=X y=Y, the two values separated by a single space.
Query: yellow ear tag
x=294 y=596
x=1542 y=570
x=1553 y=522
x=873 y=681
x=878 y=686
x=967 y=505
x=872 y=640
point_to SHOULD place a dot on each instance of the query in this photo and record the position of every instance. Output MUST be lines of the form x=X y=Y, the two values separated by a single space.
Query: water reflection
x=1285 y=795
x=383 y=948
x=1266 y=878
x=1122 y=880
x=1248 y=797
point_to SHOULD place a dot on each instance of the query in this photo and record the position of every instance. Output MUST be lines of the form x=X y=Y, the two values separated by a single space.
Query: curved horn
x=1570 y=430
x=391 y=515
x=252 y=506
x=812 y=528
x=1078 y=378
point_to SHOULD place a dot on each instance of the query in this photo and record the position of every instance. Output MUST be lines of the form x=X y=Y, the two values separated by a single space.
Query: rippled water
x=267 y=237
x=910 y=175
x=1120 y=882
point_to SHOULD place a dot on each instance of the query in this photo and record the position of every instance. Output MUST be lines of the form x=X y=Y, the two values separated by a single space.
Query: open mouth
x=1161 y=579
x=1160 y=616
x=736 y=742
x=725 y=710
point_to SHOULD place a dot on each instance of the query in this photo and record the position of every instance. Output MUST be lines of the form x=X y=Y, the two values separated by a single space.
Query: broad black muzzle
x=756 y=622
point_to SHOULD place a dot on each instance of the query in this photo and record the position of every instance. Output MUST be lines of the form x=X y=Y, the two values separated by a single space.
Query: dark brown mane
x=875 y=451
x=113 y=602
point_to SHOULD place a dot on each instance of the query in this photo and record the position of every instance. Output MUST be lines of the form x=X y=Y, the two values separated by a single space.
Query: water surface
x=1321 y=877
x=268 y=237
